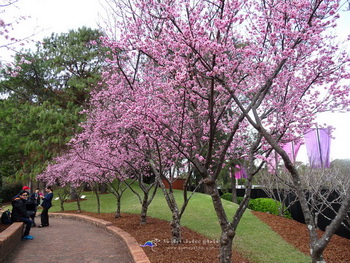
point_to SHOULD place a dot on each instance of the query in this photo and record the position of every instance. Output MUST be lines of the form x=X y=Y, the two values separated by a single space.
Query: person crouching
x=20 y=213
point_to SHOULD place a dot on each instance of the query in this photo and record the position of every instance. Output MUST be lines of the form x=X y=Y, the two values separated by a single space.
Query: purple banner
x=240 y=172
x=318 y=142
x=291 y=148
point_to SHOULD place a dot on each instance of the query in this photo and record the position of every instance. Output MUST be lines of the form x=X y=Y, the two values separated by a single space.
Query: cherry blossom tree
x=116 y=136
x=202 y=74
x=70 y=171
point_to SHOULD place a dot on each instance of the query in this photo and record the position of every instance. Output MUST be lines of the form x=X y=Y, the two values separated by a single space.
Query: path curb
x=137 y=253
x=9 y=239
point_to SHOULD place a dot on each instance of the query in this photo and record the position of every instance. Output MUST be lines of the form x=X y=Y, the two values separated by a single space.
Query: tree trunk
x=317 y=258
x=117 y=213
x=73 y=193
x=171 y=201
x=78 y=205
x=61 y=201
x=233 y=189
x=38 y=184
x=176 y=229
x=227 y=232
x=95 y=187
x=318 y=247
x=206 y=189
x=62 y=207
x=226 y=241
x=144 y=208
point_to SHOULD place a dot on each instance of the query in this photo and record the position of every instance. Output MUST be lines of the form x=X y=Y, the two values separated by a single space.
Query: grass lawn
x=255 y=240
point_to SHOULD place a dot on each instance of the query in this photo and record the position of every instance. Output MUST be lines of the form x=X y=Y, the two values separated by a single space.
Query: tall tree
x=47 y=90
x=10 y=152
x=62 y=70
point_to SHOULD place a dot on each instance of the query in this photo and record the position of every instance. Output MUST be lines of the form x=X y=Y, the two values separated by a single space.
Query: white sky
x=44 y=17
x=59 y=16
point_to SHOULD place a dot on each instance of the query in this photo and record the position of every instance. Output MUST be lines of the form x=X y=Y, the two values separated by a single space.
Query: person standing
x=46 y=204
x=20 y=213
x=32 y=204
x=36 y=197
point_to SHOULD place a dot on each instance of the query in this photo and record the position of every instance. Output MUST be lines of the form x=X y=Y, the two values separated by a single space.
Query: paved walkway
x=68 y=241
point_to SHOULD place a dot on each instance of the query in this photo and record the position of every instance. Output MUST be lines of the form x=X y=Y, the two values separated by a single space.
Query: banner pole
x=319 y=145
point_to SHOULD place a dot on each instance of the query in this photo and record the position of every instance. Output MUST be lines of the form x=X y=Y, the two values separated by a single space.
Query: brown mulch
x=197 y=248
x=295 y=233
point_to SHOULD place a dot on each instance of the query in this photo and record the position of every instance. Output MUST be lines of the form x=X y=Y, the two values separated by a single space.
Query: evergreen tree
x=44 y=91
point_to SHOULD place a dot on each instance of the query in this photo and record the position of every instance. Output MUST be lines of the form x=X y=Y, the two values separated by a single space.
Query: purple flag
x=318 y=143
x=240 y=172
x=291 y=148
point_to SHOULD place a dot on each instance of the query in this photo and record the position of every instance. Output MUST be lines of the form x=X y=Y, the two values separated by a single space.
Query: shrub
x=8 y=191
x=227 y=196
x=239 y=199
x=267 y=205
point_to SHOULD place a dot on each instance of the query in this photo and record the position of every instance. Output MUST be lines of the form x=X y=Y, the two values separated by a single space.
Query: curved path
x=68 y=240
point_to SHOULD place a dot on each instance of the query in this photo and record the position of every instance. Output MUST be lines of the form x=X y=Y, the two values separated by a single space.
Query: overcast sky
x=59 y=16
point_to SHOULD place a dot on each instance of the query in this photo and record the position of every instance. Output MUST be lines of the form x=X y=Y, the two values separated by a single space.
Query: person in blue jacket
x=46 y=204
x=20 y=213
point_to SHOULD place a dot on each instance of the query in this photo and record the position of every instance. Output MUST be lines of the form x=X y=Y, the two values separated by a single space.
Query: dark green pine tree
x=42 y=95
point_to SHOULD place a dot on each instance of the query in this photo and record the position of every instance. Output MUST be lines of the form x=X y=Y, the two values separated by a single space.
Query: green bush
x=267 y=205
x=8 y=191
x=228 y=197
x=239 y=199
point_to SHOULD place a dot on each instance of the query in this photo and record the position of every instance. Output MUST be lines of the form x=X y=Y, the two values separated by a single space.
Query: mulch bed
x=196 y=248
x=295 y=233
